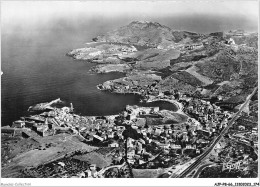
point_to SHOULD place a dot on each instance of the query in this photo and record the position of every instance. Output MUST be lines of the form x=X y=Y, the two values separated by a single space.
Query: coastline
x=176 y=104
x=155 y=135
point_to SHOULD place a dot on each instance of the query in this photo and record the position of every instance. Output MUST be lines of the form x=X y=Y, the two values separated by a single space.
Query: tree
x=177 y=96
x=119 y=120
x=116 y=137
x=129 y=132
x=95 y=39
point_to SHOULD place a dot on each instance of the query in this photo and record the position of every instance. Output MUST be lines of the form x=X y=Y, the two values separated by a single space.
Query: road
x=207 y=152
x=199 y=170
x=102 y=171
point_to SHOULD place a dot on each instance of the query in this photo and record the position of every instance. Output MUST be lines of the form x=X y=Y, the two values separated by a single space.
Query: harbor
x=44 y=106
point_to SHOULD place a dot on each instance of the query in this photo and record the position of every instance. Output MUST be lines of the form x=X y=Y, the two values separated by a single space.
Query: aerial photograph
x=133 y=89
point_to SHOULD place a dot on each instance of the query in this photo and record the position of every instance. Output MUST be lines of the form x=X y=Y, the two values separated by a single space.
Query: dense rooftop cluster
x=207 y=77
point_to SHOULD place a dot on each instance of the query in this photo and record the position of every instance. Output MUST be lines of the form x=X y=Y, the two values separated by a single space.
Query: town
x=138 y=136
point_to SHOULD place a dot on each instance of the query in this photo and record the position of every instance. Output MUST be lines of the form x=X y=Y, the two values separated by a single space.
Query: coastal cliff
x=202 y=65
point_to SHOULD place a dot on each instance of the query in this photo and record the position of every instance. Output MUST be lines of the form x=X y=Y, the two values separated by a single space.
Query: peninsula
x=210 y=78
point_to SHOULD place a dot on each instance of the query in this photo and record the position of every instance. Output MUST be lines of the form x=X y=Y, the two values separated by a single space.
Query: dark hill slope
x=146 y=33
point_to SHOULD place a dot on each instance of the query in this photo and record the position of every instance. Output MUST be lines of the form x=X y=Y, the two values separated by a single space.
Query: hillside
x=140 y=33
x=202 y=65
x=147 y=33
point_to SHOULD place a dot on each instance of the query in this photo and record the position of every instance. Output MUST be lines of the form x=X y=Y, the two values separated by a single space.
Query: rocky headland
x=204 y=76
x=219 y=66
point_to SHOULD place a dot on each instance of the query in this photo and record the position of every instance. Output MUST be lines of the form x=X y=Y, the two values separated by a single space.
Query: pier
x=44 y=106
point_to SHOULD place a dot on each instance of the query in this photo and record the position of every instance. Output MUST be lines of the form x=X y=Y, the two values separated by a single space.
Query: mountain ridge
x=146 y=33
x=218 y=64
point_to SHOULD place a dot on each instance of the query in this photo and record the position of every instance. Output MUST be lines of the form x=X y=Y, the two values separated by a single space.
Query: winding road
x=102 y=171
x=199 y=170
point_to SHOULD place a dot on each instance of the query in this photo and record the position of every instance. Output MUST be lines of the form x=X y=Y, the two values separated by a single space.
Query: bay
x=36 y=69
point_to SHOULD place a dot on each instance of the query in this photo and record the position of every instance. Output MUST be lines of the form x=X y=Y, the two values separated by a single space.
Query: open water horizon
x=36 y=69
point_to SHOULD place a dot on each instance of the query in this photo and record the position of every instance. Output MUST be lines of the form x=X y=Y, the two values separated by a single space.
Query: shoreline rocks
x=107 y=68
